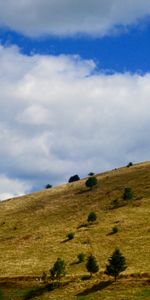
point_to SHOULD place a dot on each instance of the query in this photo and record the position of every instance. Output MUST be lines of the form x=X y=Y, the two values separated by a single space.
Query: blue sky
x=124 y=52
x=75 y=89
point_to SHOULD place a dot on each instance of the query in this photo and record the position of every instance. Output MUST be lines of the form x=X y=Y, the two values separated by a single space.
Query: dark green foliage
x=130 y=164
x=92 y=265
x=48 y=186
x=92 y=217
x=128 y=194
x=91 y=174
x=91 y=181
x=117 y=264
x=70 y=235
x=114 y=229
x=58 y=269
x=81 y=257
x=74 y=178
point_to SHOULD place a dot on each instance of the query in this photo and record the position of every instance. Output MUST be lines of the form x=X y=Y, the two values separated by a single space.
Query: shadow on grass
x=35 y=292
x=95 y=288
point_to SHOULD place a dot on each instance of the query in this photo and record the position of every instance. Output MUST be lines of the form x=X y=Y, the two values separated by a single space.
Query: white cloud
x=59 y=118
x=68 y=17
x=13 y=186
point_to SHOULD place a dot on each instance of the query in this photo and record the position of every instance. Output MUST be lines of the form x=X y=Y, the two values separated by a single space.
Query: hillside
x=33 y=228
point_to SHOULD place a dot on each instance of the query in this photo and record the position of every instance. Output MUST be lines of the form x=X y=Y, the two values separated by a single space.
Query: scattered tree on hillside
x=130 y=164
x=92 y=217
x=91 y=181
x=91 y=174
x=58 y=269
x=81 y=257
x=117 y=264
x=128 y=194
x=92 y=265
x=48 y=186
x=70 y=235
x=74 y=178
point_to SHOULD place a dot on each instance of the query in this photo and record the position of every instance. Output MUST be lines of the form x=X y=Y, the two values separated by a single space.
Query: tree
x=74 y=178
x=70 y=235
x=92 y=217
x=130 y=164
x=128 y=194
x=117 y=264
x=81 y=257
x=91 y=174
x=48 y=186
x=58 y=269
x=92 y=265
x=91 y=181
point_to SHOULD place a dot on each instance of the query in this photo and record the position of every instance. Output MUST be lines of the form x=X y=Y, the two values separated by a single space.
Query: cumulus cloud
x=59 y=117
x=67 y=17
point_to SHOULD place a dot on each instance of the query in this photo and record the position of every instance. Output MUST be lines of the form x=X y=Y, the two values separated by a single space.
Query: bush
x=91 y=174
x=81 y=257
x=48 y=186
x=70 y=235
x=91 y=181
x=74 y=178
x=114 y=229
x=130 y=164
x=58 y=269
x=92 y=217
x=117 y=264
x=92 y=265
x=128 y=194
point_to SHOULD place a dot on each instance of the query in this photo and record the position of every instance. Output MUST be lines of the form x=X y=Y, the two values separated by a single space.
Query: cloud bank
x=67 y=17
x=59 y=117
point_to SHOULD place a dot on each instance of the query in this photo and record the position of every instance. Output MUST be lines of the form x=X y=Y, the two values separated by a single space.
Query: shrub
x=91 y=181
x=130 y=164
x=92 y=217
x=70 y=235
x=74 y=178
x=92 y=265
x=114 y=229
x=58 y=269
x=128 y=194
x=91 y=174
x=48 y=186
x=116 y=265
x=81 y=257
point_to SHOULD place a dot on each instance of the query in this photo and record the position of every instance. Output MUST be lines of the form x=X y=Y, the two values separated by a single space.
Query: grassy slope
x=33 y=228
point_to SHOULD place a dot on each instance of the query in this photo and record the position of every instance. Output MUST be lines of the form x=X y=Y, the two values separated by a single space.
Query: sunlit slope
x=33 y=228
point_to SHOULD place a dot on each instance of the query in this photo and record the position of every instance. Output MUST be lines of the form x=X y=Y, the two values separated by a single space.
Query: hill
x=33 y=228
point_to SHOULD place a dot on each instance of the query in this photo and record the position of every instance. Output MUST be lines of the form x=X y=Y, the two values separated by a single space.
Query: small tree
x=92 y=265
x=48 y=186
x=128 y=194
x=130 y=164
x=74 y=178
x=117 y=264
x=91 y=181
x=58 y=269
x=81 y=257
x=92 y=217
x=91 y=174
x=70 y=235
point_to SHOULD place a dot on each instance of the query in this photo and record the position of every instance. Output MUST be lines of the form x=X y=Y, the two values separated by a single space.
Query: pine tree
x=58 y=269
x=117 y=264
x=91 y=181
x=92 y=265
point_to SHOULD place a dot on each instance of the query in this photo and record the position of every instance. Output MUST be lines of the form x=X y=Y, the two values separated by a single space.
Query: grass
x=33 y=229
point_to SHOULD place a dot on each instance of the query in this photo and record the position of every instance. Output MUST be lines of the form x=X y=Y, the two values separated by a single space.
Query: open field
x=33 y=232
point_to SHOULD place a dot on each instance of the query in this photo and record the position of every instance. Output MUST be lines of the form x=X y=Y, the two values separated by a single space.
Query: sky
x=75 y=89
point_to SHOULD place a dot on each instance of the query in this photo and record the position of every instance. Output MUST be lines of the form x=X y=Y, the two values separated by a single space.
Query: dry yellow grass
x=33 y=228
